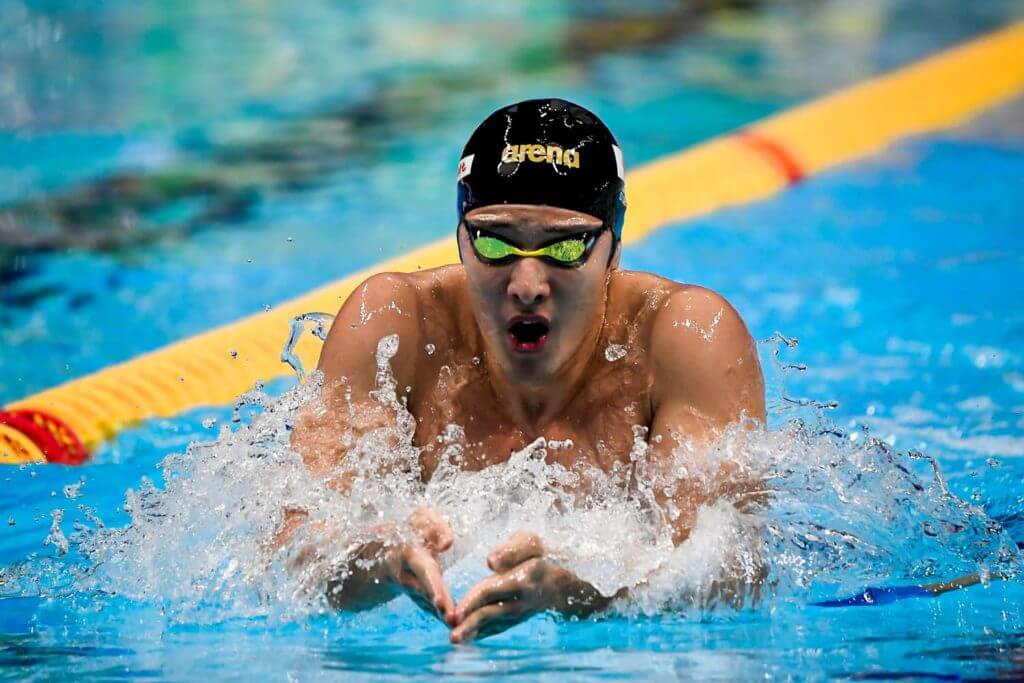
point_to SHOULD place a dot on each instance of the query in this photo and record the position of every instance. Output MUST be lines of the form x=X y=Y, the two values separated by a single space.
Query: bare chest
x=595 y=429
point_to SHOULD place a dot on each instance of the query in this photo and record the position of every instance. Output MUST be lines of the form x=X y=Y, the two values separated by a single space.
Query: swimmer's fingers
x=421 y=579
x=494 y=589
x=489 y=620
x=523 y=546
x=432 y=529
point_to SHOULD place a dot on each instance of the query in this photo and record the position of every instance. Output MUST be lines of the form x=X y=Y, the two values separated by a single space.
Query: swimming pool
x=900 y=276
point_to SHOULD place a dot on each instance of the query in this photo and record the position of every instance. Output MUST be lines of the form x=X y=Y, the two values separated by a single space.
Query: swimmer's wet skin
x=516 y=340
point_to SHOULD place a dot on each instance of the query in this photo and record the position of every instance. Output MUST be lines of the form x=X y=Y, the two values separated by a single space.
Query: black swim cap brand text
x=546 y=154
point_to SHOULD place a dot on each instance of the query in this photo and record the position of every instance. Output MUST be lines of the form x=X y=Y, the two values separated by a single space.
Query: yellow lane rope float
x=62 y=424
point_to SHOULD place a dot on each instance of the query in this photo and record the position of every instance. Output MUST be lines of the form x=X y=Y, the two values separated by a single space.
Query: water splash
x=825 y=515
x=56 y=536
x=614 y=352
x=72 y=491
x=780 y=402
x=321 y=325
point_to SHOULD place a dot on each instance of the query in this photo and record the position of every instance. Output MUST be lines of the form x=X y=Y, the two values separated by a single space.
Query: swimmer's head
x=547 y=152
x=540 y=209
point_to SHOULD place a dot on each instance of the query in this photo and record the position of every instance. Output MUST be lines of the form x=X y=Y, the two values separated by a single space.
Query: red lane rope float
x=776 y=154
x=54 y=439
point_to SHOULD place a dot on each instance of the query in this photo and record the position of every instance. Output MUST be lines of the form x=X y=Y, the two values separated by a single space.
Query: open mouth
x=528 y=333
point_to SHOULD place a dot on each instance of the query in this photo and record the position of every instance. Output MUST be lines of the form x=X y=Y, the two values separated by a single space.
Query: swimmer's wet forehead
x=527 y=218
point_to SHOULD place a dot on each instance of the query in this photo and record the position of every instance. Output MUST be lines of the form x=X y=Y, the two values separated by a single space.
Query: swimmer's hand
x=523 y=584
x=382 y=569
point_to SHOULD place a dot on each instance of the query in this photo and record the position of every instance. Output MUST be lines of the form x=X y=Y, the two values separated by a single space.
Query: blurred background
x=168 y=167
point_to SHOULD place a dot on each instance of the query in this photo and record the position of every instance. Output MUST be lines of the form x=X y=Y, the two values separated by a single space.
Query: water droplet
x=56 y=537
x=387 y=347
x=11 y=521
x=209 y=422
x=476 y=360
x=72 y=491
x=291 y=239
x=992 y=462
x=266 y=307
x=233 y=353
x=430 y=349
x=614 y=352
x=321 y=326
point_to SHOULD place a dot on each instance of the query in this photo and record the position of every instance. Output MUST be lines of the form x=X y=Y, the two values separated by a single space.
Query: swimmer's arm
x=384 y=304
x=706 y=377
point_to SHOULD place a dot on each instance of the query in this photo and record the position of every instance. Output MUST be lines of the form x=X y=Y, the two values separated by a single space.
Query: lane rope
x=48 y=438
x=776 y=154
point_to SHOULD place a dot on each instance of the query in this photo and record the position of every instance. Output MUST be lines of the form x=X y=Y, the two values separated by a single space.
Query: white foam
x=837 y=512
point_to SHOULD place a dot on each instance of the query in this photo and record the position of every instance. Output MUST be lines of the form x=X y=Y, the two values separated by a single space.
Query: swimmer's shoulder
x=441 y=287
x=382 y=305
x=436 y=298
x=674 y=314
x=436 y=290
x=699 y=352
x=443 y=297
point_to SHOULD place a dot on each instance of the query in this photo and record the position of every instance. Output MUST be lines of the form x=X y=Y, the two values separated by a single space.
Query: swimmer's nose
x=528 y=283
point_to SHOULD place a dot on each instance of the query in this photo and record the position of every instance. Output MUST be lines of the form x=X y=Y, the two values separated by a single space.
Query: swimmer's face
x=535 y=313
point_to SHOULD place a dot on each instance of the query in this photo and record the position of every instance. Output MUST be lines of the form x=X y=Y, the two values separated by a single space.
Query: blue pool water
x=899 y=275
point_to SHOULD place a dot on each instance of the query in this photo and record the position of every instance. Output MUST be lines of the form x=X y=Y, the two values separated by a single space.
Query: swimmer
x=536 y=333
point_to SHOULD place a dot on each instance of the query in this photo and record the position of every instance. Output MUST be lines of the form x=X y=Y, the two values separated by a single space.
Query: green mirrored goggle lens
x=564 y=251
x=492 y=247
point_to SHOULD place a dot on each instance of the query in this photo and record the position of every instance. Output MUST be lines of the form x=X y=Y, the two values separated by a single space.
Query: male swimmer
x=525 y=325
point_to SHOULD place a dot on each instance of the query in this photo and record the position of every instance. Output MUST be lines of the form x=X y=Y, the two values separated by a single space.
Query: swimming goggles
x=567 y=252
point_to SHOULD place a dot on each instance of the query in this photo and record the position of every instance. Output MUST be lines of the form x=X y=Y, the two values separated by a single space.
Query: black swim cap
x=550 y=152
